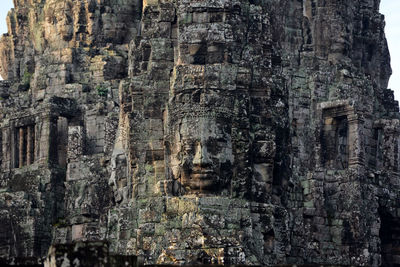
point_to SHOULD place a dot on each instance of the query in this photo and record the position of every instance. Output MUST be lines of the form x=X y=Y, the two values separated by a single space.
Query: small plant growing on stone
x=26 y=81
x=61 y=222
x=101 y=91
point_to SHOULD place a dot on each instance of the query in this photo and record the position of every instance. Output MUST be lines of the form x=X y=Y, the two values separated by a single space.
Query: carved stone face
x=201 y=155
x=59 y=22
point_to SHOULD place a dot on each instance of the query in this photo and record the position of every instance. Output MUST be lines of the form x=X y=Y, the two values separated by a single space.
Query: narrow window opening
x=24 y=146
x=335 y=147
x=342 y=154
x=62 y=141
x=389 y=234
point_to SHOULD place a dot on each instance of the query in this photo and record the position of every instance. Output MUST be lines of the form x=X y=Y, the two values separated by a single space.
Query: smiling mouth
x=203 y=173
x=201 y=180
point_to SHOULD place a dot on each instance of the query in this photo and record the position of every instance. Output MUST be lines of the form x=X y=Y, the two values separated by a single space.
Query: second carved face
x=201 y=157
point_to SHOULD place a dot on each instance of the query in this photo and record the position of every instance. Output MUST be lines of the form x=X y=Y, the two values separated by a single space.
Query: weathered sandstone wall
x=199 y=132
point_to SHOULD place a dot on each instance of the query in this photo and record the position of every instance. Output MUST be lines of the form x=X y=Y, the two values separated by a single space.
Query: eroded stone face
x=204 y=132
x=201 y=155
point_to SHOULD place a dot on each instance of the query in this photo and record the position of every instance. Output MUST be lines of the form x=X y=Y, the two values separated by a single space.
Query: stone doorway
x=335 y=142
x=389 y=234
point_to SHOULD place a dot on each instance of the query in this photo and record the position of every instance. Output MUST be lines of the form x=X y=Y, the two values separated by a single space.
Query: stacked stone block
x=199 y=132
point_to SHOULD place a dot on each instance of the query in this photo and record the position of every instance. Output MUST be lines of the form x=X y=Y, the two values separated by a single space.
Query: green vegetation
x=26 y=79
x=101 y=91
x=61 y=222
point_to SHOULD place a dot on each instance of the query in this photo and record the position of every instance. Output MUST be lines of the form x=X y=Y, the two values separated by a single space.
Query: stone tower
x=255 y=132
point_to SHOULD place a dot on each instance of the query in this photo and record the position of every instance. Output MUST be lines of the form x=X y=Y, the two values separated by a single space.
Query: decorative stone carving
x=201 y=156
x=198 y=132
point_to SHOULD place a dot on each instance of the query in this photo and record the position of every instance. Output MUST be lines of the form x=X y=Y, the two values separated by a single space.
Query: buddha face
x=201 y=156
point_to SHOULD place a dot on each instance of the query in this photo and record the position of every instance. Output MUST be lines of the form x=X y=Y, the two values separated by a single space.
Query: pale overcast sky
x=5 y=6
x=390 y=8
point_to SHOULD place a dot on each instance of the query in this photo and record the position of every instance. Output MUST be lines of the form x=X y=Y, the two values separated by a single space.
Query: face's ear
x=186 y=165
x=176 y=188
x=167 y=147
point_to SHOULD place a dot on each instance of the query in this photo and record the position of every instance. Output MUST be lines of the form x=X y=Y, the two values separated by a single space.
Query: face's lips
x=202 y=177
x=201 y=183
x=198 y=177
x=203 y=171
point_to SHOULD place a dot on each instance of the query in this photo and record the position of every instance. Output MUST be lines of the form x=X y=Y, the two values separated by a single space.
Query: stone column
x=7 y=148
x=74 y=150
x=356 y=150
x=47 y=139
x=21 y=147
x=391 y=145
x=29 y=146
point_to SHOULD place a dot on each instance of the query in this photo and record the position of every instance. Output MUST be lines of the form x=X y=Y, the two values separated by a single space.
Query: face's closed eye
x=188 y=146
x=216 y=145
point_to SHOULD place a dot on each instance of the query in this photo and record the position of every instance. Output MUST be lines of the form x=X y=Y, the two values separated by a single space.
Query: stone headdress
x=210 y=105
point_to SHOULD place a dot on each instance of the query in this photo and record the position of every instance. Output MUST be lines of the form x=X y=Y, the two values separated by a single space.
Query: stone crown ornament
x=199 y=111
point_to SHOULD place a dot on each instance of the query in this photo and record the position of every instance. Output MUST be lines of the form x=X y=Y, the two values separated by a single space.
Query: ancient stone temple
x=256 y=132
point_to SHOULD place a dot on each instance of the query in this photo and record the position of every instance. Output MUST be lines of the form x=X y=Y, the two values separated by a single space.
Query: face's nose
x=201 y=156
